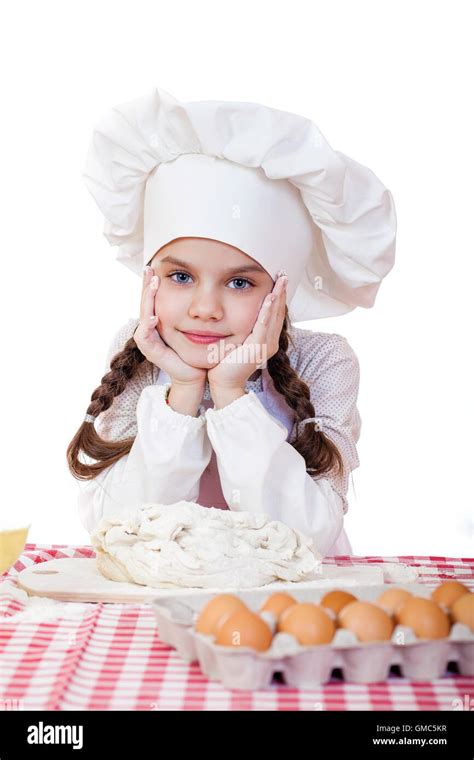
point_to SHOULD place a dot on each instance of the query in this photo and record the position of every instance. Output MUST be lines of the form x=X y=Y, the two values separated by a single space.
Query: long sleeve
x=261 y=471
x=165 y=463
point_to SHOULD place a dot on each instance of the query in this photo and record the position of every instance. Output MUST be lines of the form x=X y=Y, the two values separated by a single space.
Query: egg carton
x=306 y=667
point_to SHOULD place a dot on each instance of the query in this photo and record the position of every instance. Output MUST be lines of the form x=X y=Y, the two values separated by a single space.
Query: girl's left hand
x=262 y=343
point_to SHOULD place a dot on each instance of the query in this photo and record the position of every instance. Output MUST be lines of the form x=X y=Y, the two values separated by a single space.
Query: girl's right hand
x=151 y=344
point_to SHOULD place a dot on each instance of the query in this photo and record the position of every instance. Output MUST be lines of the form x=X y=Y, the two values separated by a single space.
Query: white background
x=388 y=84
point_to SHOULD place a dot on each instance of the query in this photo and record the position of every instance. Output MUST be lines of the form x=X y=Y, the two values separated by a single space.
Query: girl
x=212 y=395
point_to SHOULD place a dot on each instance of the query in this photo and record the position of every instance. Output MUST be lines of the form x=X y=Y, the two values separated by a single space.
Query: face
x=207 y=286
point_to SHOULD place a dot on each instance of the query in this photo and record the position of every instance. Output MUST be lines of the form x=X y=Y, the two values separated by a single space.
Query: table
x=77 y=656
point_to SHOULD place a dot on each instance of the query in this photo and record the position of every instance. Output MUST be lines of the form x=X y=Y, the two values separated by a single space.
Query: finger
x=261 y=325
x=258 y=336
x=281 y=302
x=277 y=315
x=147 y=273
x=271 y=314
x=273 y=302
x=280 y=290
x=148 y=317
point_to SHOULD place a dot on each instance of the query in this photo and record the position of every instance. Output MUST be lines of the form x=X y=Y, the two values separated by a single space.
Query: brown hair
x=320 y=453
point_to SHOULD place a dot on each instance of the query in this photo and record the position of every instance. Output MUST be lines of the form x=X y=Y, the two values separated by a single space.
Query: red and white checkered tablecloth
x=109 y=657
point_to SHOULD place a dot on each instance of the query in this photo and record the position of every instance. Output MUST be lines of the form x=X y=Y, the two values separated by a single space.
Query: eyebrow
x=232 y=270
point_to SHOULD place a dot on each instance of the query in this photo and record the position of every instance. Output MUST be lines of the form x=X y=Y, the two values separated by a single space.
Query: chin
x=193 y=358
x=199 y=362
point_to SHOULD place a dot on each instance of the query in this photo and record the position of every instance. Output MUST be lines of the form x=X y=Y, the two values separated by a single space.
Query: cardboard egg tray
x=309 y=666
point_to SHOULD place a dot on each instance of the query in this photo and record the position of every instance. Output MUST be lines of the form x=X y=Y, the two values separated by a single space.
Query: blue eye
x=241 y=279
x=235 y=279
x=173 y=274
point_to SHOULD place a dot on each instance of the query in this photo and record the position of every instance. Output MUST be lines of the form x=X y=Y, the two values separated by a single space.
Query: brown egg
x=425 y=618
x=462 y=610
x=277 y=603
x=244 y=628
x=367 y=621
x=447 y=593
x=308 y=623
x=336 y=600
x=392 y=599
x=216 y=611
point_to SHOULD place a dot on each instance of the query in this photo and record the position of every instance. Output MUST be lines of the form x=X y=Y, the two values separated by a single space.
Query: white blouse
x=239 y=457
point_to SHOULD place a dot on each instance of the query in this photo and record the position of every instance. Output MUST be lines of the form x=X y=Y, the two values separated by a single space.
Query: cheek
x=166 y=309
x=245 y=313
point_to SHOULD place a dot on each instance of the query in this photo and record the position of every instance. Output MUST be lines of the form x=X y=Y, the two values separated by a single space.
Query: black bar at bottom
x=147 y=733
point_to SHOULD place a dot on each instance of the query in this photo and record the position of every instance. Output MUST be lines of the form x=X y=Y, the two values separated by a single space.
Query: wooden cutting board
x=79 y=580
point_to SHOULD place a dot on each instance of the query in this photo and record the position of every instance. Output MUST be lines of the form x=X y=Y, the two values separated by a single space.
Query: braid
x=320 y=453
x=123 y=367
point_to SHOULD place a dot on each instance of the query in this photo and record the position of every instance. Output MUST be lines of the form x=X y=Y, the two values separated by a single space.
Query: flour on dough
x=185 y=544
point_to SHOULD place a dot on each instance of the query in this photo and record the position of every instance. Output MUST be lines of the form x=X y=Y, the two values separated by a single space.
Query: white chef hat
x=262 y=180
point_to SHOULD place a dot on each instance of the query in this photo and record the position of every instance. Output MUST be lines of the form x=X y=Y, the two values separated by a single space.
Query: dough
x=185 y=544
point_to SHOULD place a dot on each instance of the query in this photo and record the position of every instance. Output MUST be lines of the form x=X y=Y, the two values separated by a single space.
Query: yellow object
x=12 y=543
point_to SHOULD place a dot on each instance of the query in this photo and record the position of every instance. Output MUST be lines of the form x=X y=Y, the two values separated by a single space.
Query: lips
x=204 y=334
x=203 y=337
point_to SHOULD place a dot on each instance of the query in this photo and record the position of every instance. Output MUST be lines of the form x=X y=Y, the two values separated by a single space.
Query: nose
x=205 y=304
